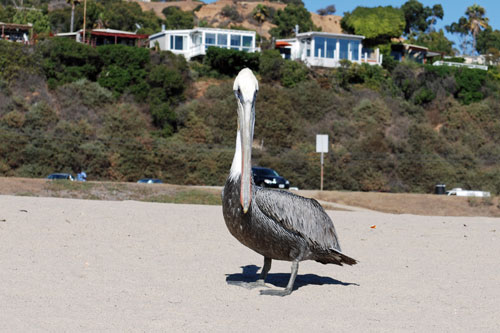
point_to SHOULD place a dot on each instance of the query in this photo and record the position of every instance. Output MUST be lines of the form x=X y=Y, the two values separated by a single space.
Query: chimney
x=163 y=27
x=296 y=29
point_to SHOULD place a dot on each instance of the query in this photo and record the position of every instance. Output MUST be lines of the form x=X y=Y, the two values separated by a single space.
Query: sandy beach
x=72 y=265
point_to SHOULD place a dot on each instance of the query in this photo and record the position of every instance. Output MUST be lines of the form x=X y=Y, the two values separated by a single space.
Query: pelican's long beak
x=246 y=118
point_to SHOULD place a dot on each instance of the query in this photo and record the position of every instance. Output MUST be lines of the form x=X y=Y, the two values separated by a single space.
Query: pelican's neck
x=236 y=167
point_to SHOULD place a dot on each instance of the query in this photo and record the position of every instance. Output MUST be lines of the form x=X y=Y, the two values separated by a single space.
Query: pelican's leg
x=260 y=281
x=289 y=287
x=265 y=270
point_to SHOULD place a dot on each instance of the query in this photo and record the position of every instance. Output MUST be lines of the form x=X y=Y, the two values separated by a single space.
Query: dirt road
x=82 y=265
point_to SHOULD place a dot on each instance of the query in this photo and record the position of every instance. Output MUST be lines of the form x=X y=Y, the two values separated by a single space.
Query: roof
x=105 y=32
x=200 y=29
x=328 y=34
x=282 y=44
x=418 y=47
x=16 y=25
x=117 y=33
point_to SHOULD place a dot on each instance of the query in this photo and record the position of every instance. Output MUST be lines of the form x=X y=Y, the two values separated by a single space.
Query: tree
x=289 y=17
x=437 y=13
x=73 y=3
x=435 y=41
x=123 y=15
x=328 y=10
x=7 y=13
x=460 y=28
x=260 y=13
x=476 y=20
x=487 y=39
x=377 y=24
x=39 y=20
x=420 y=18
x=471 y=25
x=176 y=18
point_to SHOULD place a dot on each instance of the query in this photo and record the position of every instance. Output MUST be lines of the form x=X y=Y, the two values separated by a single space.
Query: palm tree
x=260 y=13
x=476 y=21
x=73 y=5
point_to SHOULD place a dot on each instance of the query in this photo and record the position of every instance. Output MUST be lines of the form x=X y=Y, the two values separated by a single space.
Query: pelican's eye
x=237 y=93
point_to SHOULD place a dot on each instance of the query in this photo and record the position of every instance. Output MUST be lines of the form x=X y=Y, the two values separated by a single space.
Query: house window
x=331 y=44
x=222 y=40
x=197 y=40
x=176 y=42
x=344 y=48
x=354 y=50
x=210 y=39
x=247 y=43
x=319 y=47
x=235 y=42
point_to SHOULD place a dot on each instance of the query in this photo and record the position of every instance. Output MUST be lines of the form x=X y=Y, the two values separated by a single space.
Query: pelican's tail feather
x=335 y=257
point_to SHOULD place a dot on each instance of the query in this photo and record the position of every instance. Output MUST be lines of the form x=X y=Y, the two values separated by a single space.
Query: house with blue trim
x=325 y=49
x=194 y=42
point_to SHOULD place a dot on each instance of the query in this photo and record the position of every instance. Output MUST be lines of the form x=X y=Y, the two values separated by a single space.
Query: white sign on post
x=321 y=147
x=321 y=143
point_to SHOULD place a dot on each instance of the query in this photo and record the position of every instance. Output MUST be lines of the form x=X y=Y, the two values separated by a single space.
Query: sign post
x=321 y=147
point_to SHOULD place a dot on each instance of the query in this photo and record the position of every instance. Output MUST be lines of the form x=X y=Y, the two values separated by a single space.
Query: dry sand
x=80 y=265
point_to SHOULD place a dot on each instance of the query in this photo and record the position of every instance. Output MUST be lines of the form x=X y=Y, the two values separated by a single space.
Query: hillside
x=211 y=13
x=123 y=113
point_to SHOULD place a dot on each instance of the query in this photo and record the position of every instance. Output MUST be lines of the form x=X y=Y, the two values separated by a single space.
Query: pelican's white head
x=245 y=89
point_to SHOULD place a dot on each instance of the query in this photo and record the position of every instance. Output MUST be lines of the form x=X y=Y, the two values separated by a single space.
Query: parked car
x=466 y=193
x=266 y=177
x=60 y=176
x=150 y=181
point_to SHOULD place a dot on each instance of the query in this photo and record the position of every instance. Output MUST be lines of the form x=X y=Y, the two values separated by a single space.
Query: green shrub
x=292 y=73
x=455 y=59
x=65 y=60
x=230 y=62
x=124 y=69
x=423 y=96
x=232 y=13
x=270 y=66
x=16 y=58
x=470 y=83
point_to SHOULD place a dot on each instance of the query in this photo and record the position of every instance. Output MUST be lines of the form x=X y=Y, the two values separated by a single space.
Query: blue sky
x=453 y=9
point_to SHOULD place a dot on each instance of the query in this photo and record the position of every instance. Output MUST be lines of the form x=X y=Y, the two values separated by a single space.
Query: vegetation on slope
x=135 y=114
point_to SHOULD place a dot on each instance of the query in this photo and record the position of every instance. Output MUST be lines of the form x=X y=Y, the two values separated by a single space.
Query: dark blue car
x=266 y=177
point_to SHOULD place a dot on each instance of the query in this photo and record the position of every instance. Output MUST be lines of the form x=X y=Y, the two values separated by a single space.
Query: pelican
x=276 y=224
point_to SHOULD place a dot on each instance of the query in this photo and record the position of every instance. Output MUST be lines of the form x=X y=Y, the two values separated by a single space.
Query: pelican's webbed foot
x=276 y=292
x=289 y=287
x=248 y=285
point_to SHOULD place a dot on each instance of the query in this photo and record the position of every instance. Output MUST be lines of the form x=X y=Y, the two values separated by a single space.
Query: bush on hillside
x=124 y=69
x=229 y=62
x=292 y=73
x=270 y=65
x=65 y=60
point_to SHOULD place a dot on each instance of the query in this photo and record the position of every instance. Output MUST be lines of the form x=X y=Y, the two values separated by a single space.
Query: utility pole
x=84 y=17
x=321 y=147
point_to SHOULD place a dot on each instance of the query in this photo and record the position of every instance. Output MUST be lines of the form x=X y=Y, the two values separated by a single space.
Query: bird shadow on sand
x=250 y=274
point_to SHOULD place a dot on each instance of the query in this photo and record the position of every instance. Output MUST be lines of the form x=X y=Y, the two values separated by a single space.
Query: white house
x=327 y=49
x=194 y=42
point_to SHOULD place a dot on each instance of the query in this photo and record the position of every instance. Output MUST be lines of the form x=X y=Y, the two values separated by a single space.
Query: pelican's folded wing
x=298 y=215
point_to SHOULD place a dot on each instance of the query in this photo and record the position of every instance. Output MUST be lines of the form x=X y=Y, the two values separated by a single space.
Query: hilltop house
x=194 y=42
x=326 y=49
x=96 y=37
x=13 y=32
